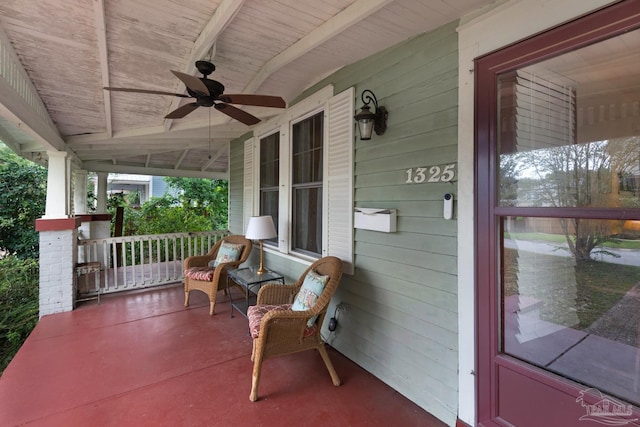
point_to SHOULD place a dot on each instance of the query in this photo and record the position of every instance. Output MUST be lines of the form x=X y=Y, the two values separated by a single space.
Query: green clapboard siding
x=399 y=319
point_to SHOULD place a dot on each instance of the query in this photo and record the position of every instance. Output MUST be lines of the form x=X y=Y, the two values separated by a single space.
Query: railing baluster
x=105 y=264
x=133 y=263
x=150 y=246
x=174 y=257
x=124 y=263
x=177 y=247
x=158 y=258
x=182 y=253
x=142 y=276
x=166 y=258
x=114 y=261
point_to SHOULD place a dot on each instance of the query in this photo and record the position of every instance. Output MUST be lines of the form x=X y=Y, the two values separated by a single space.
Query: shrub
x=18 y=304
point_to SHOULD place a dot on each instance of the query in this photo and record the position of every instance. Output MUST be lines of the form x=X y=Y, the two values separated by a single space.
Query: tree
x=194 y=205
x=209 y=198
x=22 y=198
x=18 y=304
x=581 y=175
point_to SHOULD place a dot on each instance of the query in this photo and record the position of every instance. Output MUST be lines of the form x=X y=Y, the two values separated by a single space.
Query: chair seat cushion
x=255 y=313
x=204 y=274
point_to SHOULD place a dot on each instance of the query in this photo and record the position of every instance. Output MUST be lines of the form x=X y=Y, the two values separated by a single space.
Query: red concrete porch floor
x=143 y=359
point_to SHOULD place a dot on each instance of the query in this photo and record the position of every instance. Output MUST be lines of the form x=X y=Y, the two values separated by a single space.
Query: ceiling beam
x=350 y=16
x=224 y=14
x=101 y=33
x=106 y=152
x=175 y=144
x=213 y=159
x=219 y=129
x=31 y=147
x=106 y=167
x=11 y=142
x=180 y=159
x=30 y=118
x=140 y=150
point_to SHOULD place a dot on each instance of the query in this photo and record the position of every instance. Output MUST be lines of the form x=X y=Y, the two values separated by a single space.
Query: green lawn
x=559 y=238
x=573 y=295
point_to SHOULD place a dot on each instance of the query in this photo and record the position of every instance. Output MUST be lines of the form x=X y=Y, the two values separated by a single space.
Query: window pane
x=269 y=206
x=307 y=185
x=571 y=299
x=568 y=130
x=270 y=160
x=307 y=220
x=270 y=179
x=307 y=150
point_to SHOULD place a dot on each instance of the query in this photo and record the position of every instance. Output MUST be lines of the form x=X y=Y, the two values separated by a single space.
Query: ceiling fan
x=210 y=93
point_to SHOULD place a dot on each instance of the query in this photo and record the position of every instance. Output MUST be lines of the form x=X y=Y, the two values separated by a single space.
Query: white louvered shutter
x=338 y=179
x=249 y=182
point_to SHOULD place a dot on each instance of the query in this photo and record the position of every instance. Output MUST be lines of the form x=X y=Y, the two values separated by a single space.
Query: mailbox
x=376 y=219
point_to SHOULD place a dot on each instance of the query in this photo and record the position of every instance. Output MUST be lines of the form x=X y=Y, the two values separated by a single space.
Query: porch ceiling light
x=371 y=121
x=260 y=228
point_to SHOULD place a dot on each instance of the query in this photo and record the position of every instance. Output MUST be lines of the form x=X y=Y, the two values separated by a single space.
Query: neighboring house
x=424 y=308
x=146 y=185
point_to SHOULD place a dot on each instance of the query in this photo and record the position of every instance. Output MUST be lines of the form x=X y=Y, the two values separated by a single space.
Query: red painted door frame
x=509 y=391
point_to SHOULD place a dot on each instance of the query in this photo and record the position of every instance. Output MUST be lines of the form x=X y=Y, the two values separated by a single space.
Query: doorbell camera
x=448 y=206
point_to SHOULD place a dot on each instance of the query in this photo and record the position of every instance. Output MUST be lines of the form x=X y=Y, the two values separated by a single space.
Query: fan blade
x=258 y=100
x=238 y=114
x=180 y=112
x=154 y=92
x=192 y=82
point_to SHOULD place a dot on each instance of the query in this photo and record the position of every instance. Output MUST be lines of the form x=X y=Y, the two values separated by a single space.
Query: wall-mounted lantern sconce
x=371 y=121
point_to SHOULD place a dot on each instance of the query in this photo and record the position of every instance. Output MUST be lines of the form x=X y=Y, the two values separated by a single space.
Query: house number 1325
x=436 y=174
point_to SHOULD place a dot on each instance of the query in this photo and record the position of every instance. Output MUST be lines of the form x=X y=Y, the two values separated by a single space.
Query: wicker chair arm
x=198 y=261
x=275 y=293
x=284 y=325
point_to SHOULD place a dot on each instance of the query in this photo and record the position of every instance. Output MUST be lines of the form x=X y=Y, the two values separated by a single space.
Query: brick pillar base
x=58 y=257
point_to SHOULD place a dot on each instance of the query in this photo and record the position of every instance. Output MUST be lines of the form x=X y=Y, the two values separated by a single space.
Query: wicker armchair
x=208 y=279
x=283 y=331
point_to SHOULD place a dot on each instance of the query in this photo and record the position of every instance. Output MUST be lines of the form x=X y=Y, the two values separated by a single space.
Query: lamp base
x=261 y=270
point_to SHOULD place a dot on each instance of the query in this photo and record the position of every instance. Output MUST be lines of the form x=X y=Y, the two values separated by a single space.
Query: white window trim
x=337 y=221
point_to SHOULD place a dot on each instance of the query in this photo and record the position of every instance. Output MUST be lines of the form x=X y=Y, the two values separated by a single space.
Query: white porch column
x=58 y=236
x=101 y=222
x=80 y=192
x=101 y=206
x=58 y=186
x=69 y=180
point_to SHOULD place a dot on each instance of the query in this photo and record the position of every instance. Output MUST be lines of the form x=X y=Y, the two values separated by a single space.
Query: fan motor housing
x=215 y=89
x=205 y=101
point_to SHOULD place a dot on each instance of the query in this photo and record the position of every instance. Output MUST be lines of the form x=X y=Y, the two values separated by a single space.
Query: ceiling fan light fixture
x=206 y=92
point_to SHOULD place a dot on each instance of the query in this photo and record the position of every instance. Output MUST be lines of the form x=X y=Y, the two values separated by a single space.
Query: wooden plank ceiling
x=71 y=49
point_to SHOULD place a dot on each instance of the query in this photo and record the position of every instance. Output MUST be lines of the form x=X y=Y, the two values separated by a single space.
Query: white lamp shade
x=260 y=227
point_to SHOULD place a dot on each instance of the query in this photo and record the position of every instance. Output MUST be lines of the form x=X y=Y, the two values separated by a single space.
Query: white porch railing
x=136 y=262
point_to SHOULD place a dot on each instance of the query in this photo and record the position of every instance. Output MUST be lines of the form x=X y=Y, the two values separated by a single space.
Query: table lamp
x=260 y=228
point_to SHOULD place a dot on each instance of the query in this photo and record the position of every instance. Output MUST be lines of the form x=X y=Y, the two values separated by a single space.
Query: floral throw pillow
x=309 y=292
x=228 y=252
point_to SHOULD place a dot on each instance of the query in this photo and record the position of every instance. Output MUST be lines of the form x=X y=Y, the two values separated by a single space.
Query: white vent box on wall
x=376 y=219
